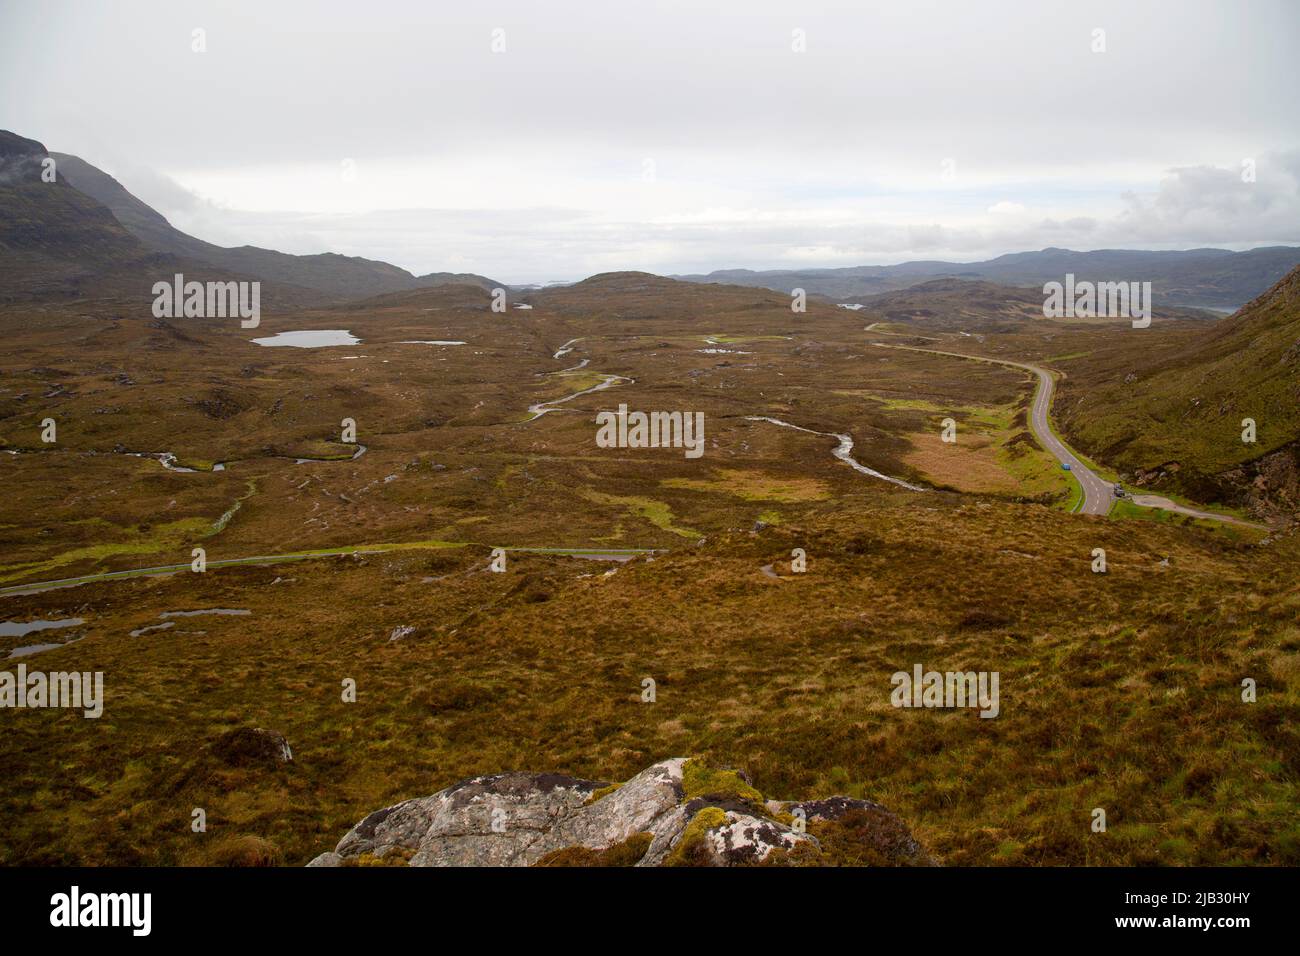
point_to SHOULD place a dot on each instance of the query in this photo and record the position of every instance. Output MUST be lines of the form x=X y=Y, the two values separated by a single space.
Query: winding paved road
x=1097 y=494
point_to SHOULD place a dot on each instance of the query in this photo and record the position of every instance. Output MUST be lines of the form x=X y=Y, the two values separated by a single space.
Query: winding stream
x=541 y=408
x=361 y=450
x=23 y=628
x=566 y=348
x=844 y=452
x=168 y=460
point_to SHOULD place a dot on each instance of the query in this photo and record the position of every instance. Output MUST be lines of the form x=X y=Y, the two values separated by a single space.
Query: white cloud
x=1005 y=208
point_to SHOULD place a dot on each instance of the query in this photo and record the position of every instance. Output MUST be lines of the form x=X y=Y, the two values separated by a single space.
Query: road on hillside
x=1156 y=501
x=1097 y=494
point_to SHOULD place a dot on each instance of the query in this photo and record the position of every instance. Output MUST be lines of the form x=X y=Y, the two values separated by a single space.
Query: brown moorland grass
x=1120 y=691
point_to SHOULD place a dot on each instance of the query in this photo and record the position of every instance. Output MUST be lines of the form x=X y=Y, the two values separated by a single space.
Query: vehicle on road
x=1119 y=491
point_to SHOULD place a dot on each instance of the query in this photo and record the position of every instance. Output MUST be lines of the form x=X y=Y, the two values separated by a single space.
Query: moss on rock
x=602 y=792
x=699 y=780
x=691 y=848
x=396 y=856
x=625 y=853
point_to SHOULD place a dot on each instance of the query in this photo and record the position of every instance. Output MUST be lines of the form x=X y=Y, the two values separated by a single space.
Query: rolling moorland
x=475 y=430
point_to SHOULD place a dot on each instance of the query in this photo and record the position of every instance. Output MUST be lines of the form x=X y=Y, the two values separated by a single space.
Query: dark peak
x=434 y=279
x=626 y=282
x=448 y=295
x=14 y=146
x=620 y=276
x=20 y=159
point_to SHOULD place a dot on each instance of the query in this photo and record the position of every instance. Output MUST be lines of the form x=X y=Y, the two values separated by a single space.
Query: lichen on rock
x=678 y=812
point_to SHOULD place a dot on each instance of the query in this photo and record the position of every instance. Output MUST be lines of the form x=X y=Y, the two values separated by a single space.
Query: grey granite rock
x=515 y=819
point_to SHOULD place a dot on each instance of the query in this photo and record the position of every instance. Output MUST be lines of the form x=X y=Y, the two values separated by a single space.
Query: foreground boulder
x=678 y=812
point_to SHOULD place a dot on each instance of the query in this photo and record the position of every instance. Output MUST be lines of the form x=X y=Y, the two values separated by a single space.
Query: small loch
x=310 y=339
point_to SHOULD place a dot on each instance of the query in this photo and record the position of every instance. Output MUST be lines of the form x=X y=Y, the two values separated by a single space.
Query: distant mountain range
x=86 y=227
x=977 y=304
x=55 y=235
x=1196 y=278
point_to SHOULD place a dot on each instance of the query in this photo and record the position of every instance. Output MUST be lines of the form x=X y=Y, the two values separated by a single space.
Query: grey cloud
x=1010 y=90
x=1215 y=204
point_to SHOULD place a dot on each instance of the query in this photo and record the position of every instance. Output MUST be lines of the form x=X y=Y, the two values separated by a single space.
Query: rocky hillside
x=678 y=812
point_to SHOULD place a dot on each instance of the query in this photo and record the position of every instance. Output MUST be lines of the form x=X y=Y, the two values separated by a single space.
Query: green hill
x=1175 y=421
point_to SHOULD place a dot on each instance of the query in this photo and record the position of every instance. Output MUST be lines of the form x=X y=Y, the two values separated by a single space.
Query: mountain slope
x=52 y=237
x=1197 y=278
x=51 y=218
x=339 y=277
x=58 y=242
x=1177 y=421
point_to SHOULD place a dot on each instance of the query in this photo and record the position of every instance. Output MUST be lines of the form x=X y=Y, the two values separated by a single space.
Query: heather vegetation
x=415 y=564
x=1119 y=690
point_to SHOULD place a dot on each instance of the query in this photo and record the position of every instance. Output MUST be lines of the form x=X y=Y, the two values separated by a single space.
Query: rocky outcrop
x=676 y=812
x=1267 y=487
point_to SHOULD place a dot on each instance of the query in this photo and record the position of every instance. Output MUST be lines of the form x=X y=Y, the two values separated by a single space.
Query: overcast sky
x=667 y=137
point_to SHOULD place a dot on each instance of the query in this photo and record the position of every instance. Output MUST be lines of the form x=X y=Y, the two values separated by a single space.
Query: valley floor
x=1120 y=690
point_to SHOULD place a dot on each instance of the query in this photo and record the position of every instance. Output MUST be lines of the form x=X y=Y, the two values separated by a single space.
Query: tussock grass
x=1120 y=690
